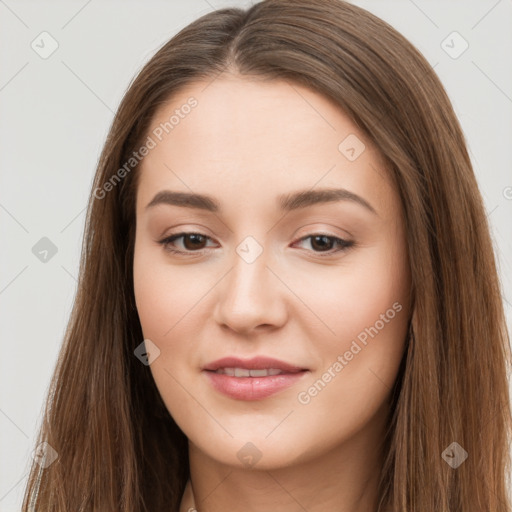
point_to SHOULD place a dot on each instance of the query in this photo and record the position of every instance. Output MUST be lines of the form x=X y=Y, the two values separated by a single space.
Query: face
x=318 y=283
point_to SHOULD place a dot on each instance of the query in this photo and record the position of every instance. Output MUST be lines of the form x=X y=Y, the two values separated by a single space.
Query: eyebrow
x=287 y=202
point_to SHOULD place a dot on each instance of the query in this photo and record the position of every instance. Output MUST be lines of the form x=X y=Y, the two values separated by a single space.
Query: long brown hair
x=120 y=450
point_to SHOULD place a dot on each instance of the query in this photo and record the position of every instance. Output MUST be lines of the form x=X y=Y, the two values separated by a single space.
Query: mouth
x=252 y=379
x=244 y=372
x=236 y=367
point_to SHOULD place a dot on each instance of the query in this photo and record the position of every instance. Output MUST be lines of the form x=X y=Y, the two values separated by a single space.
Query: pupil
x=326 y=241
x=196 y=240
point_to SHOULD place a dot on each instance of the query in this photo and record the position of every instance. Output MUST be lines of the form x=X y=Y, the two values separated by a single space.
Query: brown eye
x=322 y=242
x=185 y=243
x=193 y=241
x=328 y=244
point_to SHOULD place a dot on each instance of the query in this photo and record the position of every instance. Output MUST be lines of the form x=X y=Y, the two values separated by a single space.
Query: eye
x=321 y=243
x=191 y=242
x=195 y=242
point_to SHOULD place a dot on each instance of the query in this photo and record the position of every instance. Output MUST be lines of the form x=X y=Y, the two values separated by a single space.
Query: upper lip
x=256 y=363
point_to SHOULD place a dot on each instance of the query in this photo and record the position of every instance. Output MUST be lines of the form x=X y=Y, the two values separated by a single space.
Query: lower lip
x=252 y=388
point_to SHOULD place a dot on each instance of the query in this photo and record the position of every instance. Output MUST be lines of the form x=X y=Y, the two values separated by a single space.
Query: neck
x=344 y=479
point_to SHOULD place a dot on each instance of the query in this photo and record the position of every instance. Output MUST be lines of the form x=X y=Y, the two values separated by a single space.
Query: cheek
x=353 y=296
x=365 y=303
x=170 y=302
x=165 y=299
x=153 y=295
x=164 y=295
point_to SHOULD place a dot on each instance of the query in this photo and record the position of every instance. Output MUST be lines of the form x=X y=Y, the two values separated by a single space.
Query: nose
x=250 y=297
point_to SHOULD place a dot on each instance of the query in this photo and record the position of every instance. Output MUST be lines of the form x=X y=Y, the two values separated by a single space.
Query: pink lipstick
x=252 y=379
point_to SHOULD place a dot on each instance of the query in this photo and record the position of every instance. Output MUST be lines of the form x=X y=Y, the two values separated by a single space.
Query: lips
x=256 y=363
x=252 y=379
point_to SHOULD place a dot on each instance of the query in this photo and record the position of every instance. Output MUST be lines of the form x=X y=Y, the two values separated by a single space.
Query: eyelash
x=344 y=244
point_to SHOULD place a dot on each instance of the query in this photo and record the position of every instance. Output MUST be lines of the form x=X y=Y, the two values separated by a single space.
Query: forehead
x=252 y=135
x=235 y=113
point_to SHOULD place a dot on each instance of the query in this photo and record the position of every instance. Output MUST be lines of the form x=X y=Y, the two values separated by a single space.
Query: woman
x=288 y=297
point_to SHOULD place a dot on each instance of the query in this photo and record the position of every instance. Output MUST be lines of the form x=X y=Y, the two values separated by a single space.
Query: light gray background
x=54 y=117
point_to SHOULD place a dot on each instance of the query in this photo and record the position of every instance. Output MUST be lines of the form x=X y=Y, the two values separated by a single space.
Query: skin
x=246 y=142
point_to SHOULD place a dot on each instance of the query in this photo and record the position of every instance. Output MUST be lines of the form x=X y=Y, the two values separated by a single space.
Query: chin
x=256 y=450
